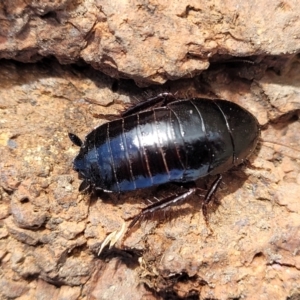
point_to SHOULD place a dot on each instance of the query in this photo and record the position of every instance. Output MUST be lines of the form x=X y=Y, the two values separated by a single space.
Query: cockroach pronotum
x=179 y=141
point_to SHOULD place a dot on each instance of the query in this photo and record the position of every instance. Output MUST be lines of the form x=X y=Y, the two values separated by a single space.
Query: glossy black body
x=180 y=142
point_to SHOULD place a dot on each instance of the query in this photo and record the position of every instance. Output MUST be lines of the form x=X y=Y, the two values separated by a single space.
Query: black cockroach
x=179 y=141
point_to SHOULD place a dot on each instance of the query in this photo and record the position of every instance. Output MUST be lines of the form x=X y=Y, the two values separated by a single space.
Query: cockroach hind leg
x=209 y=195
x=163 y=98
x=205 y=216
x=174 y=199
x=160 y=205
x=84 y=187
x=136 y=219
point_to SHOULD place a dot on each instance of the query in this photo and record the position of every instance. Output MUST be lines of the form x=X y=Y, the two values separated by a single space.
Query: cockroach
x=178 y=141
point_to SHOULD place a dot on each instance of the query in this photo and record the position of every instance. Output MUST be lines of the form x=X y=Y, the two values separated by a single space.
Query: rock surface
x=150 y=42
x=50 y=233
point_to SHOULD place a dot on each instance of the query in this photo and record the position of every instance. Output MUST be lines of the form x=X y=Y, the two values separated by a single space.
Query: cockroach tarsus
x=179 y=141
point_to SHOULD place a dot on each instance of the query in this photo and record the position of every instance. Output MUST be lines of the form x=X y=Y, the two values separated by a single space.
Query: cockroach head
x=85 y=163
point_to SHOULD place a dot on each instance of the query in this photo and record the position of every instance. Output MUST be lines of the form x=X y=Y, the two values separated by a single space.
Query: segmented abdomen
x=179 y=143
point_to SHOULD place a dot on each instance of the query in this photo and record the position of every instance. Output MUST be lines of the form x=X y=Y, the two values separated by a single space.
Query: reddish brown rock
x=25 y=214
x=22 y=235
x=50 y=240
x=109 y=283
x=46 y=291
x=148 y=42
x=12 y=289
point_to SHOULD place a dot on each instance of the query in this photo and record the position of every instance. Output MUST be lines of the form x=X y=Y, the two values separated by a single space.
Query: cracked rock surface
x=150 y=42
x=68 y=66
x=50 y=233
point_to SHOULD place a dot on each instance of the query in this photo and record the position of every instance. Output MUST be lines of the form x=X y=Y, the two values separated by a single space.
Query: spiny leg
x=174 y=199
x=160 y=205
x=164 y=98
x=208 y=197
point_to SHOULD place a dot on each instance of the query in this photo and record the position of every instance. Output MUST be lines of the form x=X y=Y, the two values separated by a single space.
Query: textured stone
x=26 y=236
x=110 y=284
x=12 y=289
x=46 y=291
x=25 y=214
x=149 y=42
x=48 y=243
